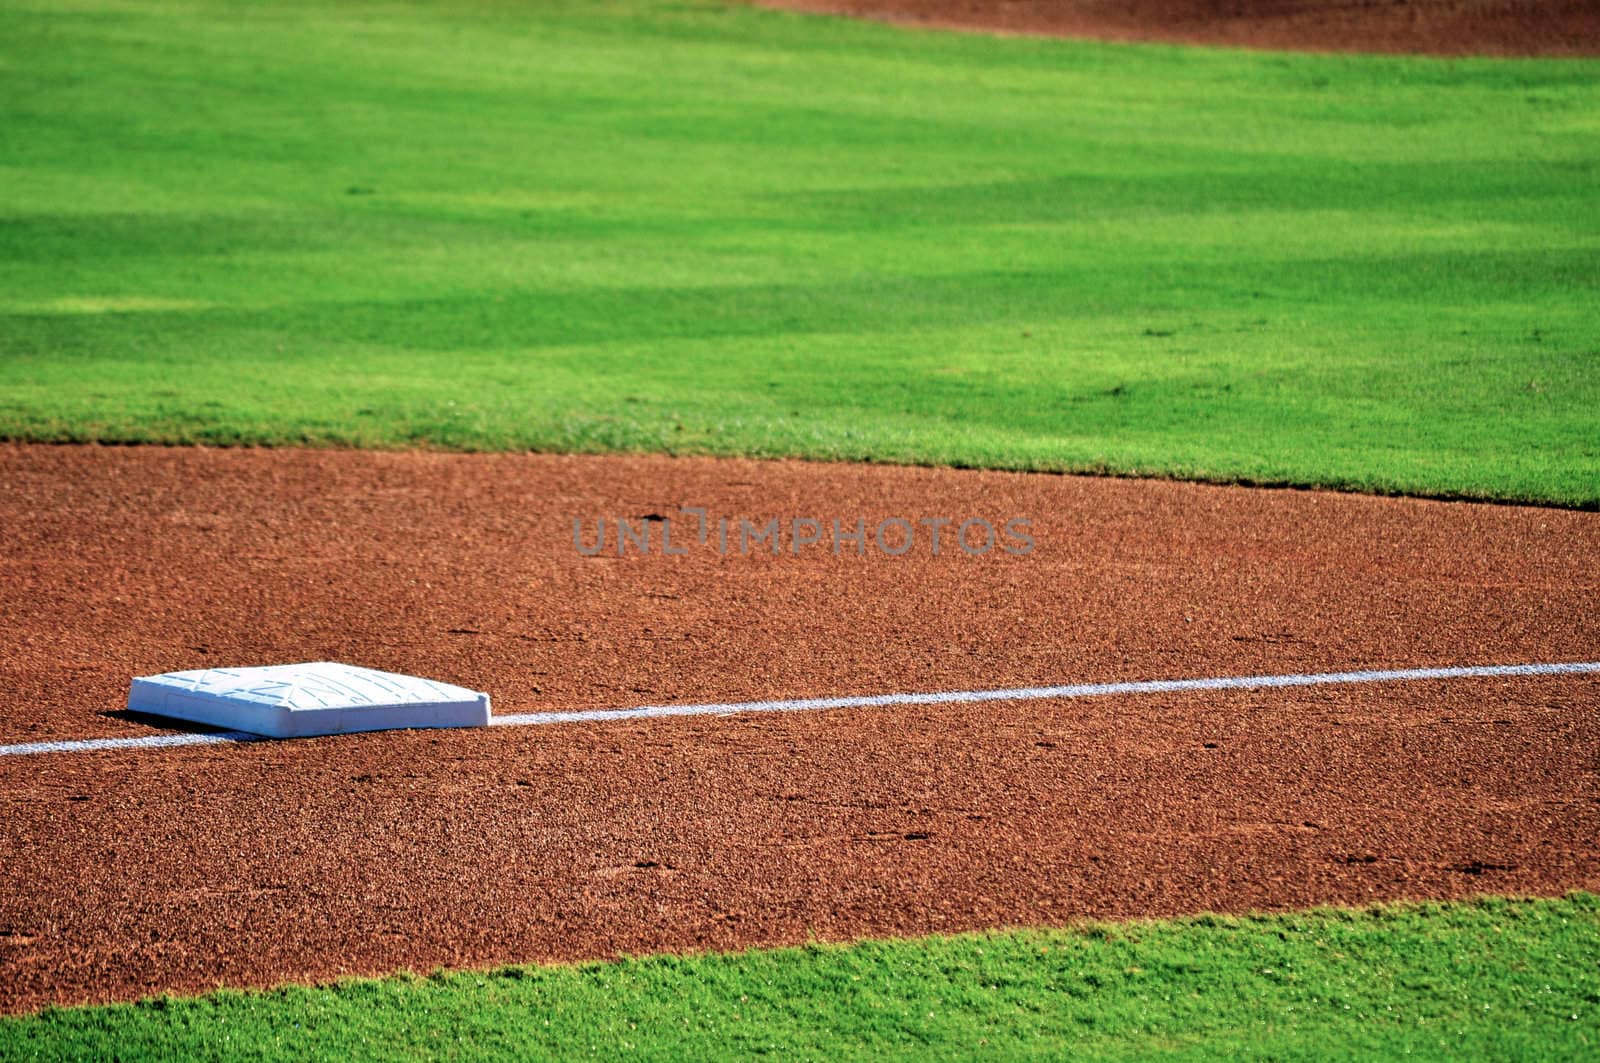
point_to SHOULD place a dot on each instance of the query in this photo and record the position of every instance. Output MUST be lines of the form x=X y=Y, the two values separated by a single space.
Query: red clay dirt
x=131 y=872
x=1436 y=27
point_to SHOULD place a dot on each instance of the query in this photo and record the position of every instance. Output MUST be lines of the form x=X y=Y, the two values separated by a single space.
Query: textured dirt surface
x=123 y=873
x=1438 y=27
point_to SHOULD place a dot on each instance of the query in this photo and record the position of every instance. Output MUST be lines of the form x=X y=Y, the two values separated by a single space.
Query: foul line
x=1080 y=690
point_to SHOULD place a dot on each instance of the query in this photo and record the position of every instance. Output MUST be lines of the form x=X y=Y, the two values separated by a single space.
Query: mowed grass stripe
x=1491 y=979
x=694 y=227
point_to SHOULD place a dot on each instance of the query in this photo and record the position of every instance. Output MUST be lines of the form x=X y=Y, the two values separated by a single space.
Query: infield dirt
x=1437 y=27
x=136 y=871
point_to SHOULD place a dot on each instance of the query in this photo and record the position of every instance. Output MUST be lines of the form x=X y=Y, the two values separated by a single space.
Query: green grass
x=1493 y=979
x=692 y=227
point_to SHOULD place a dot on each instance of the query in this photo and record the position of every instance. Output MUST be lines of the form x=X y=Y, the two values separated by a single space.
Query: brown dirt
x=1436 y=27
x=131 y=872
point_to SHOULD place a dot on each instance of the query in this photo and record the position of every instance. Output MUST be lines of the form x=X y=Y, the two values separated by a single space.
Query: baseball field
x=627 y=360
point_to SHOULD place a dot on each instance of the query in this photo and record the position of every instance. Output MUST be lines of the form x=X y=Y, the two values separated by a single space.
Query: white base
x=300 y=700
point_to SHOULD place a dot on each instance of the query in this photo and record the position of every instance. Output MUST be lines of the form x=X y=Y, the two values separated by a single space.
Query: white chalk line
x=948 y=697
x=89 y=745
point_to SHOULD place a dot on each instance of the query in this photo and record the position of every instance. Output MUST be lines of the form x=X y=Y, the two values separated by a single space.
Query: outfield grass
x=1494 y=979
x=691 y=227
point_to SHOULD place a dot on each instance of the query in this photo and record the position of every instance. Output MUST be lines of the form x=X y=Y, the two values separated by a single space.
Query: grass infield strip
x=1488 y=979
x=692 y=227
